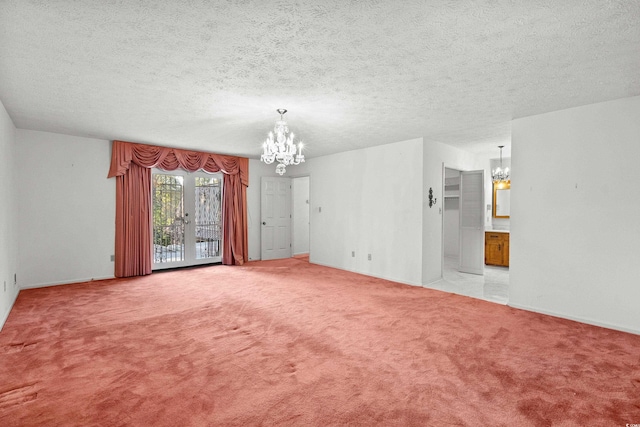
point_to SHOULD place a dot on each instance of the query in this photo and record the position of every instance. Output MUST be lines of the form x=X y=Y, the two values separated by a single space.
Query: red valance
x=131 y=165
x=167 y=158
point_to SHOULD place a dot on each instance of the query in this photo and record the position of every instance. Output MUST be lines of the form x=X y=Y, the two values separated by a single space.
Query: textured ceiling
x=353 y=73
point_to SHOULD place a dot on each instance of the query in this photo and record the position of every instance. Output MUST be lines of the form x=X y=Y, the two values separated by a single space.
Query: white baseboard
x=69 y=282
x=576 y=319
x=431 y=284
x=5 y=316
x=391 y=279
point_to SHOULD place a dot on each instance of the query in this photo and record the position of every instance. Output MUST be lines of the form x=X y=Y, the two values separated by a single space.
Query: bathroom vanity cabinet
x=496 y=248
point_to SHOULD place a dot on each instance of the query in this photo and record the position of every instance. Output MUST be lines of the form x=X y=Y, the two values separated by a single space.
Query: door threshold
x=186 y=267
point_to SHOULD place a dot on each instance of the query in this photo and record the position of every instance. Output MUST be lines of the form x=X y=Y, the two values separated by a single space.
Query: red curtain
x=131 y=164
x=133 y=223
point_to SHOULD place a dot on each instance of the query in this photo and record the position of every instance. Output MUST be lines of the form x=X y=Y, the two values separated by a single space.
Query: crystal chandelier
x=499 y=174
x=281 y=147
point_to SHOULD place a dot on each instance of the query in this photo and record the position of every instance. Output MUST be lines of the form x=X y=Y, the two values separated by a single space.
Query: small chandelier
x=499 y=174
x=281 y=147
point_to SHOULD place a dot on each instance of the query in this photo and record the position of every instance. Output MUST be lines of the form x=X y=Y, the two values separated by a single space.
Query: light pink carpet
x=291 y=343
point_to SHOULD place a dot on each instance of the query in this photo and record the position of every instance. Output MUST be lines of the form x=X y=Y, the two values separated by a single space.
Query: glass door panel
x=168 y=219
x=187 y=218
x=208 y=217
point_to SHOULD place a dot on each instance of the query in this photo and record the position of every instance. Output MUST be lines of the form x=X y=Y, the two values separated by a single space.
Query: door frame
x=291 y=177
x=293 y=212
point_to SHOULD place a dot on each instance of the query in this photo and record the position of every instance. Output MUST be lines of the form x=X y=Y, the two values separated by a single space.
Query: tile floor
x=493 y=286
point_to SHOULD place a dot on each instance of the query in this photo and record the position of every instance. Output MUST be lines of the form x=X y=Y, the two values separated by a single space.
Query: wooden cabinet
x=496 y=248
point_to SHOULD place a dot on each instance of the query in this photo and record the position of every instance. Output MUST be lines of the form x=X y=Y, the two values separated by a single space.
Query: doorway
x=275 y=218
x=492 y=282
x=463 y=219
x=284 y=218
x=186 y=218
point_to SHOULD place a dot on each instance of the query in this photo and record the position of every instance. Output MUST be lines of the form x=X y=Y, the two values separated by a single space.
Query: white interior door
x=472 y=222
x=187 y=218
x=275 y=214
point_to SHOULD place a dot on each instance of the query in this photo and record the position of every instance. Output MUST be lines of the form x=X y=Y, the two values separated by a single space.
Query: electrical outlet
x=113 y=258
x=353 y=253
x=369 y=257
x=15 y=279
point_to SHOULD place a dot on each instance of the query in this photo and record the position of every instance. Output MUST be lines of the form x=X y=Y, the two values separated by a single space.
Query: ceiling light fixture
x=499 y=174
x=281 y=147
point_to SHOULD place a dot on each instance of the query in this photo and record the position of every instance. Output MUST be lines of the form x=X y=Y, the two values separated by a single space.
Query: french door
x=187 y=218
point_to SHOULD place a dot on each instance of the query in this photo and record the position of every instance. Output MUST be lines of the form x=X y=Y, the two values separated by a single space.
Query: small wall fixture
x=432 y=200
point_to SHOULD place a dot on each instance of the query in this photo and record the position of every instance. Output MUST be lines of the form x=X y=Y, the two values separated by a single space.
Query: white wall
x=66 y=209
x=300 y=208
x=8 y=237
x=374 y=201
x=369 y=201
x=434 y=155
x=575 y=223
x=369 y=205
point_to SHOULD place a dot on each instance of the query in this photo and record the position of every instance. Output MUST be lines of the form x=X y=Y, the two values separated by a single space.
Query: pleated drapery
x=133 y=223
x=131 y=165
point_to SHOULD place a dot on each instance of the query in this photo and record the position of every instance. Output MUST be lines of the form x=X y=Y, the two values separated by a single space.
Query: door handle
x=264 y=223
x=183 y=219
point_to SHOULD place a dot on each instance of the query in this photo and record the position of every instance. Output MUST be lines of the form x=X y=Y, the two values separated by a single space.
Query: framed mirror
x=502 y=199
